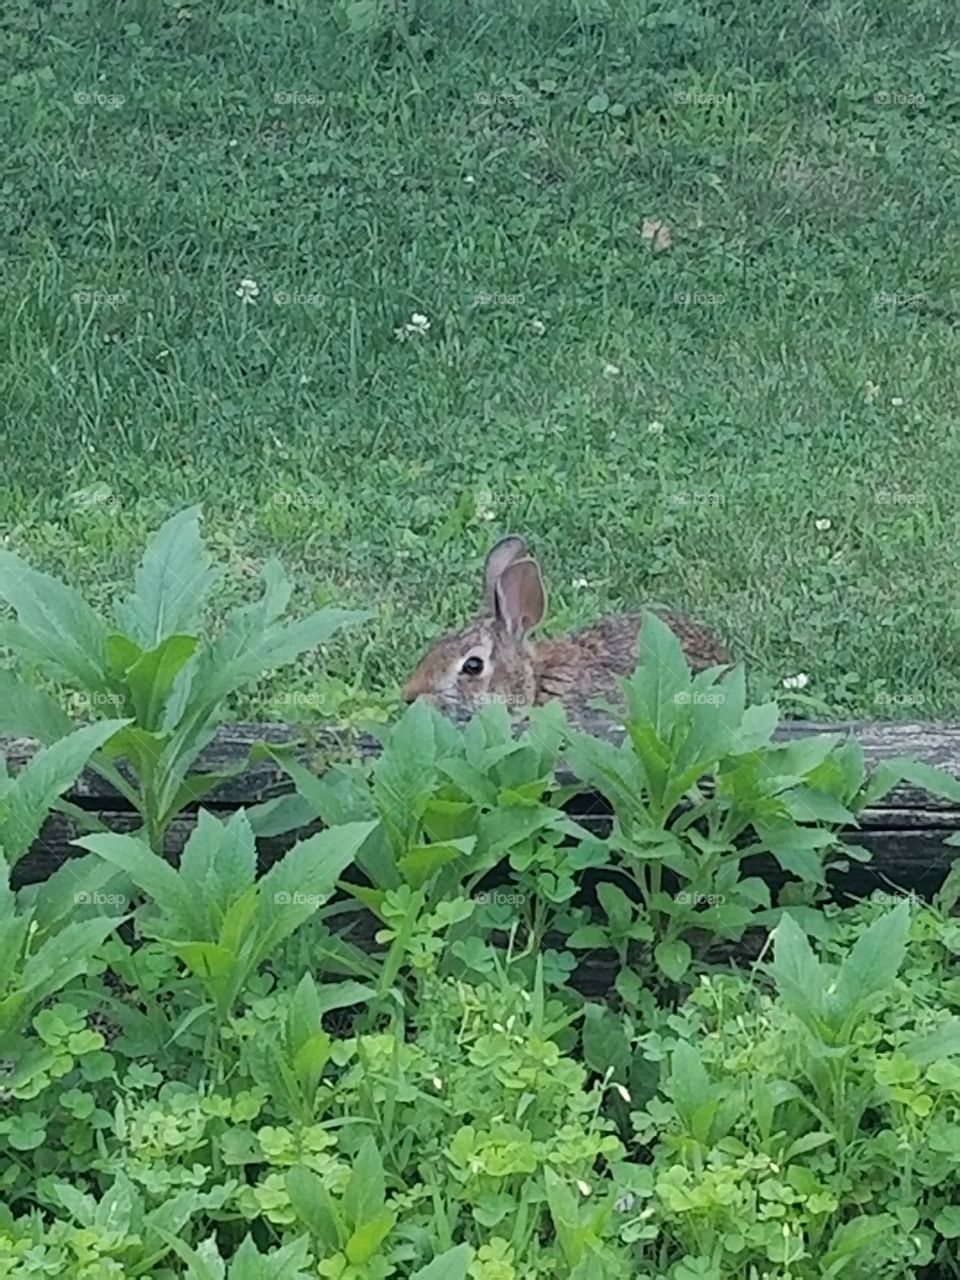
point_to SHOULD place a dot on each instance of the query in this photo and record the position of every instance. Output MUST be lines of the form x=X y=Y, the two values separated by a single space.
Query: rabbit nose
x=412 y=690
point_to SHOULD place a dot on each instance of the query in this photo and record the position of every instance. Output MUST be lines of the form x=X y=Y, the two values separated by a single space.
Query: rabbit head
x=491 y=659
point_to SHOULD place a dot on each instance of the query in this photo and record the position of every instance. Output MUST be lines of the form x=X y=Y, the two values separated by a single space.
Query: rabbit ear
x=505 y=552
x=521 y=600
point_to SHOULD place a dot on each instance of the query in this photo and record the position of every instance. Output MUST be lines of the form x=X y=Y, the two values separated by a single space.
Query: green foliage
x=697 y=786
x=212 y=912
x=369 y=1062
x=157 y=665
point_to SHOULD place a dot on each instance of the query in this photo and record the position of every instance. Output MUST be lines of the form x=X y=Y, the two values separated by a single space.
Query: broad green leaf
x=605 y=1042
x=172 y=583
x=61 y=958
x=873 y=962
x=42 y=780
x=71 y=891
x=794 y=760
x=502 y=829
x=617 y=907
x=689 y=1084
x=797 y=972
x=295 y=887
x=204 y=959
x=947 y=1222
x=673 y=958
x=291 y=1262
x=925 y=776
x=304 y=1014
x=219 y=861
x=56 y=628
x=365 y=1194
x=805 y=804
x=151 y=678
x=565 y=1213
x=154 y=876
x=756 y=728
x=314 y=1206
x=196 y=786
x=855 y=1236
x=343 y=995
x=26 y=712
x=367 y=1239
x=797 y=849
x=659 y=688
x=422 y=862
x=453 y=1264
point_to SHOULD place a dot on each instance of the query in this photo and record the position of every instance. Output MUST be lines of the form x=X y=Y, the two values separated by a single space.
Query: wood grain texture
x=904 y=831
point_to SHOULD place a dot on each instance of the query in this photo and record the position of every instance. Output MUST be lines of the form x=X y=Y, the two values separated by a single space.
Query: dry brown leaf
x=657 y=231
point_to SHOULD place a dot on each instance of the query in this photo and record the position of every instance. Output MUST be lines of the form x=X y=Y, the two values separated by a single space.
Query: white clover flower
x=799 y=681
x=822 y=525
x=610 y=370
x=897 y=401
x=247 y=290
x=416 y=325
x=538 y=327
x=655 y=428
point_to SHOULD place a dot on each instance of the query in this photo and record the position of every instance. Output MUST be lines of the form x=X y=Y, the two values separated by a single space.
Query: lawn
x=690 y=316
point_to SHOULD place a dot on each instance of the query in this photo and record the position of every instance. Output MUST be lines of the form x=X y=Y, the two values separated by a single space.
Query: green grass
x=308 y=430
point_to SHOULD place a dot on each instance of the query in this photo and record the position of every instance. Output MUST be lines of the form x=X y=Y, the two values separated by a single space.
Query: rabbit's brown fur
x=503 y=664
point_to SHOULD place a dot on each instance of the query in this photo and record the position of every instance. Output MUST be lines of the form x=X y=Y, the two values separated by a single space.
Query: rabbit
x=493 y=659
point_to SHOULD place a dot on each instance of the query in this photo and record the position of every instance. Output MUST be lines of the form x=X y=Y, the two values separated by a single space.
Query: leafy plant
x=155 y=665
x=213 y=913
x=44 y=950
x=698 y=785
x=26 y=800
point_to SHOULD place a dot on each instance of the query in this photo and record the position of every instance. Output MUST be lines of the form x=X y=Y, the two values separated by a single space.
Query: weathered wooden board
x=904 y=831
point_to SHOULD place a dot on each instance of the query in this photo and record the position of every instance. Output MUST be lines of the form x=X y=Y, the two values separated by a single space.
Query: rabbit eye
x=472 y=666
